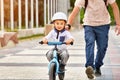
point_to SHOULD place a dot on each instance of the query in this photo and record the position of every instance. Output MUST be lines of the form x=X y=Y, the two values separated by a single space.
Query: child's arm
x=69 y=41
x=44 y=40
x=69 y=38
x=116 y=16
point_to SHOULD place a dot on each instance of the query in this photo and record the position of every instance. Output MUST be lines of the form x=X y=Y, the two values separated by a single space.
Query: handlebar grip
x=71 y=43
x=41 y=42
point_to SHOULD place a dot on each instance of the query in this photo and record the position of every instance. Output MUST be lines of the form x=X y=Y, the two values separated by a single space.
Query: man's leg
x=90 y=42
x=102 y=44
x=49 y=54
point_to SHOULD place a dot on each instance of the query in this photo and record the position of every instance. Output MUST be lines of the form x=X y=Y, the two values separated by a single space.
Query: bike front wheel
x=52 y=72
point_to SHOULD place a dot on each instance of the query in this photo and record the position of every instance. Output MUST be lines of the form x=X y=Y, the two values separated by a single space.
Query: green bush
x=81 y=15
x=111 y=15
x=118 y=2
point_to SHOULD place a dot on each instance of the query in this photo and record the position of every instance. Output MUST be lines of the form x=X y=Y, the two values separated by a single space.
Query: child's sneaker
x=62 y=72
x=90 y=72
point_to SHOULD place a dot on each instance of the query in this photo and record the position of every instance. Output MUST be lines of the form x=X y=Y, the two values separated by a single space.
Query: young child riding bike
x=59 y=34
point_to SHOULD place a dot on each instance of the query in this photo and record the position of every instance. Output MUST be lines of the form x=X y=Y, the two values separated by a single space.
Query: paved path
x=27 y=60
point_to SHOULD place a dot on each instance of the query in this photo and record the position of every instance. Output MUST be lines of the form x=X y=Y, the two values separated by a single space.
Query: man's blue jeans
x=98 y=34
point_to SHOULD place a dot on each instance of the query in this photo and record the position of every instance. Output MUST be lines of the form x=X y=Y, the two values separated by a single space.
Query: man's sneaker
x=90 y=72
x=97 y=72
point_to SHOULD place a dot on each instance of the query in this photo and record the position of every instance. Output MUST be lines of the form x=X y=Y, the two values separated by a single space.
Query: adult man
x=96 y=25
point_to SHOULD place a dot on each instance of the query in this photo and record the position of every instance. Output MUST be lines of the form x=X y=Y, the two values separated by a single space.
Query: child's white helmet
x=59 y=16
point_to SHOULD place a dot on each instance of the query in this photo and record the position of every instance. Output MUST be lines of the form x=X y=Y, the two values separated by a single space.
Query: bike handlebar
x=55 y=43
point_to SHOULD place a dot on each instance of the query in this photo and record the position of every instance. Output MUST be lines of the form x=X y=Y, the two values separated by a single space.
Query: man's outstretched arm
x=116 y=16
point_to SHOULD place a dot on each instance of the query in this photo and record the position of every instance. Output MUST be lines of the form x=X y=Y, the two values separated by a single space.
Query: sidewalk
x=27 y=60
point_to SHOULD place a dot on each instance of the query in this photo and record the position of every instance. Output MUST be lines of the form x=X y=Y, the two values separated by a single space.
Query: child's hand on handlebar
x=44 y=41
x=69 y=41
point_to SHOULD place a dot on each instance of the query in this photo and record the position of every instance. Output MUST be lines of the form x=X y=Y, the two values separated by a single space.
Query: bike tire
x=52 y=74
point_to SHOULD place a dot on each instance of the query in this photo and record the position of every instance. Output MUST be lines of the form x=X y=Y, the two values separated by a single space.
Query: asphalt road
x=27 y=60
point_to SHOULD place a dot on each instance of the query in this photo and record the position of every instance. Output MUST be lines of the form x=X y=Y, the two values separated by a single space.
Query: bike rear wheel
x=52 y=75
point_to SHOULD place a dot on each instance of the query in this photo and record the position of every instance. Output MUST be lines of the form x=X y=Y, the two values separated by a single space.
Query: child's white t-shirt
x=63 y=36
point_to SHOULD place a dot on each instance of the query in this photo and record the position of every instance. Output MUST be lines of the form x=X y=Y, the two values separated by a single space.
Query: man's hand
x=117 y=29
x=68 y=27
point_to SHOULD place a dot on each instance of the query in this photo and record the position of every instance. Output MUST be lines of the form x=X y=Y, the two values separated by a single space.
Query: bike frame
x=55 y=57
x=54 y=60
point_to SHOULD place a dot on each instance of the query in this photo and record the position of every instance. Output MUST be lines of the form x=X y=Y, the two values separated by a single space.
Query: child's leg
x=49 y=54
x=64 y=55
